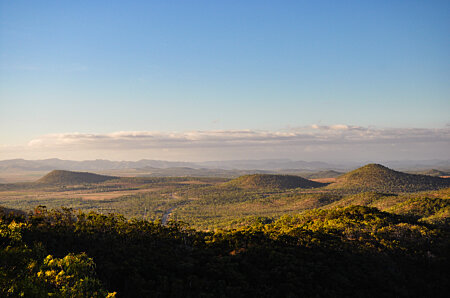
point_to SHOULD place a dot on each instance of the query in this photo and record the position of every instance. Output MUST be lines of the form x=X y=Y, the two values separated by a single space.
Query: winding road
x=166 y=215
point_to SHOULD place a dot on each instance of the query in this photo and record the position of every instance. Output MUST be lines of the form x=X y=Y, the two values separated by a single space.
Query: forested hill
x=60 y=177
x=273 y=181
x=375 y=177
x=343 y=252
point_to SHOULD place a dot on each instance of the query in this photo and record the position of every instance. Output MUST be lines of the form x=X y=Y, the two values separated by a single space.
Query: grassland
x=210 y=203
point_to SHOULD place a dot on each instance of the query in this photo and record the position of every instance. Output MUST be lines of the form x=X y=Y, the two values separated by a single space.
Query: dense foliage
x=25 y=271
x=353 y=251
x=433 y=210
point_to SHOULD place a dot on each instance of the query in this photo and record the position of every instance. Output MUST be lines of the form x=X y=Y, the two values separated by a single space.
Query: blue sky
x=100 y=67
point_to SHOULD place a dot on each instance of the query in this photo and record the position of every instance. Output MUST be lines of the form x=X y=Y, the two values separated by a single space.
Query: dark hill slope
x=375 y=177
x=69 y=177
x=273 y=181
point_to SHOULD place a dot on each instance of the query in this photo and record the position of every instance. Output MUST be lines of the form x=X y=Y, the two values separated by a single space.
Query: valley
x=211 y=202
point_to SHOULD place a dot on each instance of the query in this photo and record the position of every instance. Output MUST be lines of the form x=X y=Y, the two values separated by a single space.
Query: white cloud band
x=326 y=143
x=311 y=135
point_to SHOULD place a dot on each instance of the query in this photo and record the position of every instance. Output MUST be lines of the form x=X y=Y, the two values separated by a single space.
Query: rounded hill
x=69 y=177
x=273 y=181
x=375 y=177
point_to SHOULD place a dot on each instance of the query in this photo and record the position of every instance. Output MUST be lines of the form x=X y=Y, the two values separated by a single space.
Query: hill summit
x=69 y=177
x=376 y=177
x=273 y=181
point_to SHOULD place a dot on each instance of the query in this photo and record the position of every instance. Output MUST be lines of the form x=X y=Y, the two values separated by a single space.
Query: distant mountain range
x=86 y=165
x=263 y=165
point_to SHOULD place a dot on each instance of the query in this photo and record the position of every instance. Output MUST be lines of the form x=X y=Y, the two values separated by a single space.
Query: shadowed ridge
x=273 y=181
x=69 y=177
x=376 y=177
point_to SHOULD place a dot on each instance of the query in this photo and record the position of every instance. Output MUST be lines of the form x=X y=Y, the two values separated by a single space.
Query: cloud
x=303 y=136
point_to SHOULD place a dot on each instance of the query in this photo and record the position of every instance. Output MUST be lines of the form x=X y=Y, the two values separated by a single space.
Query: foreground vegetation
x=258 y=235
x=353 y=251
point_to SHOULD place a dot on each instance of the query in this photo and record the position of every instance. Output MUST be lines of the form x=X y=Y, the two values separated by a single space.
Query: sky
x=214 y=80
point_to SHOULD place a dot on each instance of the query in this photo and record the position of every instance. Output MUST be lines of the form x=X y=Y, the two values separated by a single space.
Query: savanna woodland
x=371 y=232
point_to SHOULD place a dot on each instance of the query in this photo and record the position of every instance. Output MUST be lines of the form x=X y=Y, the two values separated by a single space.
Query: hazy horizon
x=343 y=163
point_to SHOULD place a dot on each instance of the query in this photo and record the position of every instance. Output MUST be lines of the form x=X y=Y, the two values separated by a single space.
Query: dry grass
x=85 y=195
